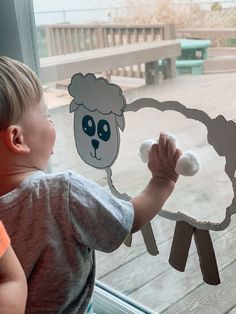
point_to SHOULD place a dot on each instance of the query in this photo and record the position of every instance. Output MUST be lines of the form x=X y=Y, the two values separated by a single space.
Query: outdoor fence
x=69 y=38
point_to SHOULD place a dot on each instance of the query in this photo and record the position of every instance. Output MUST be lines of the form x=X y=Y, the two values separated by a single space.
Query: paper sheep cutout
x=99 y=108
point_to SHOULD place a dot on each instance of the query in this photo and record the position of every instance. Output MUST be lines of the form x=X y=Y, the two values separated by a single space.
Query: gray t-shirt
x=55 y=222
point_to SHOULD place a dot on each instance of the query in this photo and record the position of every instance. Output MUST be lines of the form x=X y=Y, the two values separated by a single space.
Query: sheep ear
x=120 y=120
x=73 y=106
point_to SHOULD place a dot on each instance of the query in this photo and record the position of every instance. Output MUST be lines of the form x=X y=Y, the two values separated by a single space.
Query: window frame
x=110 y=301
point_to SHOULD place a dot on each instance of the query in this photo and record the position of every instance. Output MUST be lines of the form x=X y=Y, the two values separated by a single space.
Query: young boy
x=57 y=221
x=13 y=286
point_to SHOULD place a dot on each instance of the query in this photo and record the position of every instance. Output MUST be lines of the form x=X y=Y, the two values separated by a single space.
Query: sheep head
x=98 y=114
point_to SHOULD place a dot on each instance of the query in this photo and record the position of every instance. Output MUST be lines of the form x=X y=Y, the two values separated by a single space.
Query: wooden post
x=169 y=31
x=152 y=72
x=169 y=68
x=49 y=41
x=100 y=37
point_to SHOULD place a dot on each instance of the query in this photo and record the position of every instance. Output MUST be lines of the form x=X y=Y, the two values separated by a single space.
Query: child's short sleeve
x=4 y=240
x=99 y=220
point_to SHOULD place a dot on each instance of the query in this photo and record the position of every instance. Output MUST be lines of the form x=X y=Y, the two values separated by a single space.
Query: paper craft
x=99 y=109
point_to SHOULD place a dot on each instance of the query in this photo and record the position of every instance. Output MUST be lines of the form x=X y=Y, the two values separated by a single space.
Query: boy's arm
x=13 y=286
x=162 y=161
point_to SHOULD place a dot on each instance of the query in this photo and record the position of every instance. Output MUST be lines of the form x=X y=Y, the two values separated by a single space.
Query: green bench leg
x=197 y=70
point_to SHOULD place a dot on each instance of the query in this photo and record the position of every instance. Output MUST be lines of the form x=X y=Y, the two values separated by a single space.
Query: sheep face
x=97 y=137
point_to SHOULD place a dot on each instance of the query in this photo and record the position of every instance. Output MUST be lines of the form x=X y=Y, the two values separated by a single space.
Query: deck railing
x=223 y=40
x=69 y=38
x=207 y=33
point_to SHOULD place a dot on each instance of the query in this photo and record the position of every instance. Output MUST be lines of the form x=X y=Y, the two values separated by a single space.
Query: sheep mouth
x=95 y=155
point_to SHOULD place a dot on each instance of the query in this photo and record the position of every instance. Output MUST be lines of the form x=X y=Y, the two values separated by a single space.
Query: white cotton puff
x=188 y=164
x=145 y=148
x=172 y=138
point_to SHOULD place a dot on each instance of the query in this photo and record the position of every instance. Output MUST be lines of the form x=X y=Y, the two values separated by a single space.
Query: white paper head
x=98 y=114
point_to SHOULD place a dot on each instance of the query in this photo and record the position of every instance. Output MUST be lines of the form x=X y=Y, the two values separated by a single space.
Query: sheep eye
x=104 y=131
x=88 y=125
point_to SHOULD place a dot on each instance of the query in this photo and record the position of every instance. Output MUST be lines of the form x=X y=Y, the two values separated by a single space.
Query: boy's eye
x=88 y=125
x=104 y=131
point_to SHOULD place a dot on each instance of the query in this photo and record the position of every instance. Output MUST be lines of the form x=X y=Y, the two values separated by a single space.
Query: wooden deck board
x=124 y=258
x=172 y=286
x=151 y=280
x=208 y=299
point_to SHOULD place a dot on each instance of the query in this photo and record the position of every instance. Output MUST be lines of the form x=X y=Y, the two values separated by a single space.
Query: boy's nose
x=95 y=144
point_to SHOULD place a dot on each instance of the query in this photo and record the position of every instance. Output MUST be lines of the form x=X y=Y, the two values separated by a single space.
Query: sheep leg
x=149 y=239
x=207 y=256
x=128 y=240
x=180 y=245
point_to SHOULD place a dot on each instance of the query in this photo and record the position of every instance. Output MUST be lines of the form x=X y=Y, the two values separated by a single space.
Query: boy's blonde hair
x=20 y=89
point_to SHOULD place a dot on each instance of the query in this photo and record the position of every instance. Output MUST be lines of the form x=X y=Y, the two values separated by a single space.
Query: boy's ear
x=14 y=139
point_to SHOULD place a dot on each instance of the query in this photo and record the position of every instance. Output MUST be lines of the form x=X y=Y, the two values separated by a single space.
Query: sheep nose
x=95 y=144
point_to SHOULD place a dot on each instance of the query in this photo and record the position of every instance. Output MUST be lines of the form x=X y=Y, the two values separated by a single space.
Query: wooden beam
x=99 y=60
x=207 y=33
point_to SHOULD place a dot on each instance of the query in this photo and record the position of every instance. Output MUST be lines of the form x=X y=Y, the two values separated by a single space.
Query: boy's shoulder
x=53 y=179
x=59 y=181
x=53 y=176
x=39 y=188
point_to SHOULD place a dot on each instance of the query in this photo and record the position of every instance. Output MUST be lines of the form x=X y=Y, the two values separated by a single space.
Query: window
x=148 y=280
x=135 y=274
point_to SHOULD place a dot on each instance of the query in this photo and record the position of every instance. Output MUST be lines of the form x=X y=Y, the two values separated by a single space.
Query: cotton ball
x=172 y=138
x=188 y=164
x=145 y=148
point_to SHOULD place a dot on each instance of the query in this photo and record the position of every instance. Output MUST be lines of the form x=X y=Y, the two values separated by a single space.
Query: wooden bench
x=194 y=52
x=100 y=60
x=193 y=49
x=194 y=67
x=221 y=58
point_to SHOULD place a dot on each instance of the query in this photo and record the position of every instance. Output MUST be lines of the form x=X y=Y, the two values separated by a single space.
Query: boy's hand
x=163 y=157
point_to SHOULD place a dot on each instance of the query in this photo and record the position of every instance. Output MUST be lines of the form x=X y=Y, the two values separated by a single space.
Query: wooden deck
x=150 y=280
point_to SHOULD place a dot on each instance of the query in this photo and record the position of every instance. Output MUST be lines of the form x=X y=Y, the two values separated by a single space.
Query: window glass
x=205 y=79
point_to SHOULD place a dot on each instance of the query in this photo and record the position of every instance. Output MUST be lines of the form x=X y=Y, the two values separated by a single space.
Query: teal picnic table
x=193 y=54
